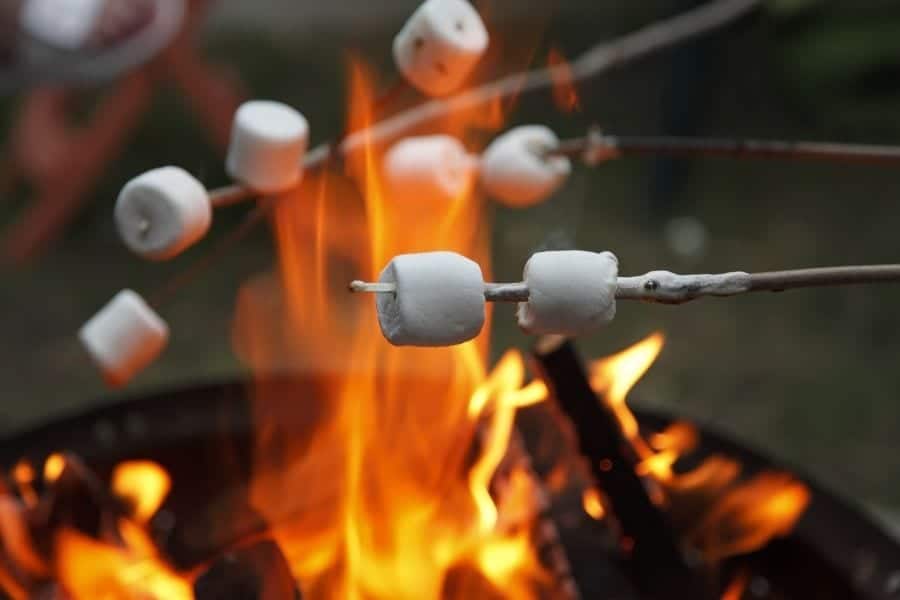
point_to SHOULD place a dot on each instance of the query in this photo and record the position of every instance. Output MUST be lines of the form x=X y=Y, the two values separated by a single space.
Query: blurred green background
x=811 y=376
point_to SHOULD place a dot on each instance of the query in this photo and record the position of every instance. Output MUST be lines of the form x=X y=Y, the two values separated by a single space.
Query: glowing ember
x=53 y=467
x=593 y=504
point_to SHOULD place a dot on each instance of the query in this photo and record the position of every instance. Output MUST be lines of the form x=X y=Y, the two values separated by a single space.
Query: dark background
x=811 y=376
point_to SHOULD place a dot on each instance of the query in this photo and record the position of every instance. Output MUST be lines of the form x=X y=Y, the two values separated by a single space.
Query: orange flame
x=392 y=499
x=565 y=94
x=751 y=514
x=735 y=589
x=90 y=569
x=740 y=517
x=614 y=377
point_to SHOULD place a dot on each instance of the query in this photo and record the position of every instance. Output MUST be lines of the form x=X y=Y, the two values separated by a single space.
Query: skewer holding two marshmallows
x=518 y=168
x=438 y=298
x=163 y=212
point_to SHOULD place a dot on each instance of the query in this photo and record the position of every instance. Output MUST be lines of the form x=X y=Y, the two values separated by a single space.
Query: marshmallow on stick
x=517 y=170
x=163 y=212
x=569 y=292
x=124 y=337
x=439 y=45
x=268 y=143
x=428 y=171
x=438 y=300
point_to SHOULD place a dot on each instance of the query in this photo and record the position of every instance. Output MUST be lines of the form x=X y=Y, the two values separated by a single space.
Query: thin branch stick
x=665 y=287
x=777 y=281
x=597 y=147
x=229 y=195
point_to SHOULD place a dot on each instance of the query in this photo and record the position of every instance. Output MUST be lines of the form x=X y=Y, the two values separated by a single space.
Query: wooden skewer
x=664 y=287
x=597 y=147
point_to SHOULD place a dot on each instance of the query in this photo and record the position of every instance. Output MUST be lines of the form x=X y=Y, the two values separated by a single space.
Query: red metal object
x=64 y=162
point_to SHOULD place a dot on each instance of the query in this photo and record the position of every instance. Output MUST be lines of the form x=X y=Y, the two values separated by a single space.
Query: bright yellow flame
x=142 y=483
x=506 y=377
x=92 y=570
x=53 y=467
x=614 y=377
x=593 y=504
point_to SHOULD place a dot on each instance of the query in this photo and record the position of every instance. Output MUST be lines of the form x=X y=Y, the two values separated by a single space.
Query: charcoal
x=256 y=572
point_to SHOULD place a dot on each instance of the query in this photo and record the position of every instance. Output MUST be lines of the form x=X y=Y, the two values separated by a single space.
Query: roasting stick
x=597 y=146
x=664 y=287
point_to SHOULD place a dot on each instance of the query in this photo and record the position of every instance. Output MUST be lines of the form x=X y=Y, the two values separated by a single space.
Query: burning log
x=74 y=498
x=653 y=556
x=256 y=572
x=547 y=540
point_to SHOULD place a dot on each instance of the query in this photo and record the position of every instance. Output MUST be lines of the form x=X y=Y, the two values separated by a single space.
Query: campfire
x=350 y=467
x=404 y=475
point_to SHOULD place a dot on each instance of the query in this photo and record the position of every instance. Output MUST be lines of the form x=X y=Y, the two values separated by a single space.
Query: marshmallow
x=515 y=171
x=570 y=292
x=65 y=24
x=439 y=300
x=124 y=337
x=428 y=171
x=268 y=142
x=439 y=45
x=161 y=213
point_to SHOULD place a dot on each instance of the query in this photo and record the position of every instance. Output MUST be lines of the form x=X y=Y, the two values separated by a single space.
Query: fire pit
x=204 y=438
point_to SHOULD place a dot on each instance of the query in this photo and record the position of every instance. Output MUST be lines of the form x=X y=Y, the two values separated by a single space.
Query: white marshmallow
x=439 y=300
x=65 y=24
x=570 y=292
x=268 y=143
x=515 y=171
x=124 y=337
x=439 y=45
x=428 y=171
x=161 y=213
